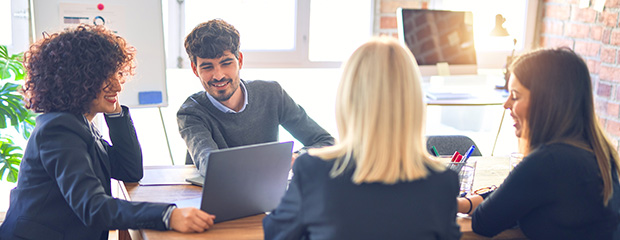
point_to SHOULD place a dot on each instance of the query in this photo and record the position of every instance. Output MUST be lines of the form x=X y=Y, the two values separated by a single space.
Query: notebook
x=243 y=181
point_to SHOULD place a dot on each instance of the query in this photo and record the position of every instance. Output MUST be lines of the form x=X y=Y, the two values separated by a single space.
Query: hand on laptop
x=190 y=220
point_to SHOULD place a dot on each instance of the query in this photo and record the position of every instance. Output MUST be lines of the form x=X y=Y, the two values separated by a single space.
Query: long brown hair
x=562 y=107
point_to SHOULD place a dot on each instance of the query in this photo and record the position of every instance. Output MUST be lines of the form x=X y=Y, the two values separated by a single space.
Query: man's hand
x=295 y=155
x=190 y=219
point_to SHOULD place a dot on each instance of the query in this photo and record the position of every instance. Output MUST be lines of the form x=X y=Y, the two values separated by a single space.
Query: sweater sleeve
x=196 y=133
x=295 y=120
x=525 y=188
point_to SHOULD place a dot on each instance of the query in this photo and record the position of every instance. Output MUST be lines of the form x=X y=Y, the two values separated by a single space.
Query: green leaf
x=12 y=73
x=10 y=158
x=12 y=177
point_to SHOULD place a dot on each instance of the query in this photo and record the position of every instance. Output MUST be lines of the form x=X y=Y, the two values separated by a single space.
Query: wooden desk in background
x=491 y=170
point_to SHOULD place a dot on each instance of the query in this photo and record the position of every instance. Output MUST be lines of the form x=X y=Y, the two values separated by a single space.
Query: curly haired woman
x=63 y=189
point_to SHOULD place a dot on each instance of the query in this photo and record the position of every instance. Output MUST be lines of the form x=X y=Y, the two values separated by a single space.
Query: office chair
x=446 y=145
x=188 y=159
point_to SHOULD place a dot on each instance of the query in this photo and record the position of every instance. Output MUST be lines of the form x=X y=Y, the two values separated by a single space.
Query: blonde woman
x=378 y=182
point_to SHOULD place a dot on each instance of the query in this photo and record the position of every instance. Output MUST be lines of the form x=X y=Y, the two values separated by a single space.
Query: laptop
x=243 y=181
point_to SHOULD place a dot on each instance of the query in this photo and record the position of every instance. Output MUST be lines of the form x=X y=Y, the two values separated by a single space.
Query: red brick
x=553 y=27
x=563 y=1
x=556 y=42
x=559 y=12
x=587 y=15
x=390 y=6
x=600 y=106
x=588 y=49
x=603 y=90
x=593 y=66
x=608 y=55
x=388 y=23
x=612 y=3
x=613 y=127
x=606 y=35
x=613 y=109
x=617 y=93
x=577 y=30
x=610 y=19
x=609 y=73
x=596 y=33
x=615 y=38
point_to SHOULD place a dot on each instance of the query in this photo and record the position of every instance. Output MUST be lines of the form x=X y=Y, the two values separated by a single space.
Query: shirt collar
x=225 y=109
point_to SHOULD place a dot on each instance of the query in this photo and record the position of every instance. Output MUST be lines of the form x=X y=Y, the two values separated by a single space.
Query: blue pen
x=468 y=153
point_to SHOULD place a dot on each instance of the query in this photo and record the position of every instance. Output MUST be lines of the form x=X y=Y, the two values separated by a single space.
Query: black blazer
x=317 y=206
x=63 y=189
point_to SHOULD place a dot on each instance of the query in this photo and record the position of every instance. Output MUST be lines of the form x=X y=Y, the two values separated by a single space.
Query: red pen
x=455 y=156
x=459 y=158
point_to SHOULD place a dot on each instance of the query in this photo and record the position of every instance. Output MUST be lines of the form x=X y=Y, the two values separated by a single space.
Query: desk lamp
x=500 y=31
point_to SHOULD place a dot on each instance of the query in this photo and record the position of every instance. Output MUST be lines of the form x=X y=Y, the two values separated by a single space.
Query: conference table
x=166 y=184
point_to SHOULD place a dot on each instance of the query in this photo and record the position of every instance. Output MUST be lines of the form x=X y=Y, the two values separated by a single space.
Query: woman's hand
x=190 y=219
x=117 y=107
x=468 y=203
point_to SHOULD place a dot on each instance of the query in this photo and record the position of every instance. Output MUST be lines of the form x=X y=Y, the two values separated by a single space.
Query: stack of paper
x=447 y=95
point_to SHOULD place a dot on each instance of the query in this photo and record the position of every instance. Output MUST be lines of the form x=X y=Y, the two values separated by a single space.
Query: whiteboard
x=138 y=21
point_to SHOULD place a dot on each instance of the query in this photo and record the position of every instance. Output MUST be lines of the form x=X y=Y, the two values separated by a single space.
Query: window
x=264 y=25
x=278 y=33
x=520 y=16
x=6 y=38
x=328 y=39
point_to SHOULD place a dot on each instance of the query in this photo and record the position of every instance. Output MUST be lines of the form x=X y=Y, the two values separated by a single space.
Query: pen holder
x=466 y=171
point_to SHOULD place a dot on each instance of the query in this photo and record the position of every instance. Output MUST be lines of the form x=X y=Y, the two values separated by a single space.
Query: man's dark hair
x=211 y=39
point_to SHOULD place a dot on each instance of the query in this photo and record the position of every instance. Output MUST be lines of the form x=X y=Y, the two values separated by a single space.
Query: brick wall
x=385 y=22
x=594 y=35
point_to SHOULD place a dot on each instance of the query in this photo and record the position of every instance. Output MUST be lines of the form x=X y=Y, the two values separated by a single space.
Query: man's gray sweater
x=205 y=128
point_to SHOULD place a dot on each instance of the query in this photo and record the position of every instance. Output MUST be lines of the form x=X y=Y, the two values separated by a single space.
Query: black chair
x=446 y=145
x=188 y=159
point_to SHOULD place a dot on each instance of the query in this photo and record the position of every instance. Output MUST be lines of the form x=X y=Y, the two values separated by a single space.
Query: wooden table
x=491 y=171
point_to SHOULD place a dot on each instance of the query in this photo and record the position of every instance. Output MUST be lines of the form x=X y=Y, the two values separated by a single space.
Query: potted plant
x=12 y=113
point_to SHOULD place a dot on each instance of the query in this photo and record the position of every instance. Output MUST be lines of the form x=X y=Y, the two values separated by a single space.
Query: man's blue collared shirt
x=225 y=109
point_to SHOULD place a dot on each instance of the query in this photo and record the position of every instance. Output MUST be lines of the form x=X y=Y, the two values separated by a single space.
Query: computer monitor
x=437 y=36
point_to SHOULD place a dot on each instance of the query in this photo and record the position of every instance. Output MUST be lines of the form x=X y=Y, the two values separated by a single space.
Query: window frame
x=296 y=58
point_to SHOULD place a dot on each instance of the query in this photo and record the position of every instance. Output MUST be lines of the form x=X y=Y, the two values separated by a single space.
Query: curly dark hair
x=67 y=70
x=210 y=40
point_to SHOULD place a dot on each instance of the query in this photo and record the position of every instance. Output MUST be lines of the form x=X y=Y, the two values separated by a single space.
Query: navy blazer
x=317 y=206
x=63 y=188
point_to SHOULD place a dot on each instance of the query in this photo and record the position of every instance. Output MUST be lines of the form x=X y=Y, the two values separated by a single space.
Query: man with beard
x=232 y=112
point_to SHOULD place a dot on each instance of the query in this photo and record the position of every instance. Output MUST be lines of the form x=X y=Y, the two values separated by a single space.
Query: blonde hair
x=380 y=116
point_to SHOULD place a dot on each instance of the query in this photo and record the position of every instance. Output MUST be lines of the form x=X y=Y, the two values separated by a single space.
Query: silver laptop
x=243 y=181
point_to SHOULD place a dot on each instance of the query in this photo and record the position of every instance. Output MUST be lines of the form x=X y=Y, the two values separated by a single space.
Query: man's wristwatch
x=301 y=151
